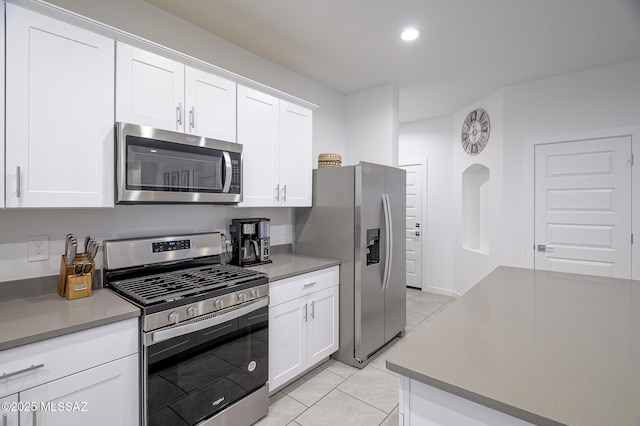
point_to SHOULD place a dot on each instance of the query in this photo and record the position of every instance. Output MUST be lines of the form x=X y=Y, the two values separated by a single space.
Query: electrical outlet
x=37 y=248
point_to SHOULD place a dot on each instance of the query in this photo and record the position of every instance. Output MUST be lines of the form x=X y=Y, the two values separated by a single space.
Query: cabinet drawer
x=281 y=291
x=65 y=355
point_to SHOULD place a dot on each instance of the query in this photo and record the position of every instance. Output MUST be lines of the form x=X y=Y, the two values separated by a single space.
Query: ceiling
x=469 y=48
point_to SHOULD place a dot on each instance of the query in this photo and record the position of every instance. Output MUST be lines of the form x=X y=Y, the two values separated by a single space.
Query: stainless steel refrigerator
x=358 y=216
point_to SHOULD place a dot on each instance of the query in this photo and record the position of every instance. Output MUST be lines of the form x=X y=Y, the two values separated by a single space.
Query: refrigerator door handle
x=388 y=240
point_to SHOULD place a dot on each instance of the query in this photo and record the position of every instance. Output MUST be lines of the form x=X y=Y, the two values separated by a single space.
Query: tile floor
x=336 y=394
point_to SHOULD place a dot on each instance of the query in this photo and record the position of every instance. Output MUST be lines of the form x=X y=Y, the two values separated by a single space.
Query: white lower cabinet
x=9 y=416
x=90 y=377
x=303 y=324
x=101 y=395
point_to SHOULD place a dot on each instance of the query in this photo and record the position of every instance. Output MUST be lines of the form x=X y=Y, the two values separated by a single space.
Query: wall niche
x=476 y=208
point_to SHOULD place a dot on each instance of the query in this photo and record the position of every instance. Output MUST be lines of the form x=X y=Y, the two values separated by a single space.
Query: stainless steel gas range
x=204 y=329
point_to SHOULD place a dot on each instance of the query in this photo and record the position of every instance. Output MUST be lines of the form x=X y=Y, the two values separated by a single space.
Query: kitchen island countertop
x=287 y=265
x=43 y=317
x=544 y=347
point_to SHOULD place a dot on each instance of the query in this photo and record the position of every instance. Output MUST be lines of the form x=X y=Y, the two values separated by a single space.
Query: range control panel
x=171 y=245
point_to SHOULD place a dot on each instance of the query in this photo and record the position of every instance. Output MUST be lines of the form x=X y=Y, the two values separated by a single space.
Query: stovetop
x=183 y=283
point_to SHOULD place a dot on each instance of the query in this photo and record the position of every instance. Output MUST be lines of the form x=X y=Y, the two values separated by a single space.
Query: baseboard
x=442 y=291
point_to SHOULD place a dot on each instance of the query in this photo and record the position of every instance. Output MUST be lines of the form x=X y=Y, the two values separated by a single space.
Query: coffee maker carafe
x=250 y=240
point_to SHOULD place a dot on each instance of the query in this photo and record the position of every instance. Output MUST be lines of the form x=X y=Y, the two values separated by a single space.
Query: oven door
x=159 y=166
x=198 y=375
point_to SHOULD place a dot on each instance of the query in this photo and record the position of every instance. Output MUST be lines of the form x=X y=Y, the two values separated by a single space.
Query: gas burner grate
x=167 y=286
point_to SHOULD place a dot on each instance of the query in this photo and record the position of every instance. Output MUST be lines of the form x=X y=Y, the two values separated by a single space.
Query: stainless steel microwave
x=159 y=166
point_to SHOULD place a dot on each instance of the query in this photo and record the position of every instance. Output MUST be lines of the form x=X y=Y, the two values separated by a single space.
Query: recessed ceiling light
x=410 y=34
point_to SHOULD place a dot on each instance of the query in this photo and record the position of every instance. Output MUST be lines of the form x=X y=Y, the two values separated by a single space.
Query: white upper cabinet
x=277 y=148
x=59 y=114
x=154 y=91
x=258 y=117
x=296 y=164
x=211 y=105
x=149 y=89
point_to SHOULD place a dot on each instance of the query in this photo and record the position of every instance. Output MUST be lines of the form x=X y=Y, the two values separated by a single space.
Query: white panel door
x=258 y=118
x=296 y=161
x=59 y=113
x=210 y=103
x=414 y=225
x=149 y=89
x=583 y=207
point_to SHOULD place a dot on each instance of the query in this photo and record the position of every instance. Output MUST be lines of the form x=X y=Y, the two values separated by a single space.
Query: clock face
x=475 y=131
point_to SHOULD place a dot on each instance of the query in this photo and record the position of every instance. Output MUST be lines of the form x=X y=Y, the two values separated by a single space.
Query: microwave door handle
x=228 y=171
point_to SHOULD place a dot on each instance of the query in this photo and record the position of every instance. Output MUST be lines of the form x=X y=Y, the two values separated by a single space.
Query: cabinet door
x=210 y=103
x=104 y=395
x=2 y=105
x=9 y=418
x=296 y=162
x=149 y=89
x=258 y=118
x=323 y=325
x=59 y=115
x=287 y=341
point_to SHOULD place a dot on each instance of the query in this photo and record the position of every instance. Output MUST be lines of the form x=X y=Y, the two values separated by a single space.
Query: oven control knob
x=219 y=304
x=242 y=297
x=174 y=317
x=255 y=293
x=192 y=311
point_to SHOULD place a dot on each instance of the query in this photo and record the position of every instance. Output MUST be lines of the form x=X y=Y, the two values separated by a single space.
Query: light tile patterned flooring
x=336 y=394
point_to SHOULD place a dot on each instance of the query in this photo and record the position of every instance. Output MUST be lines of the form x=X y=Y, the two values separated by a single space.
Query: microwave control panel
x=236 y=160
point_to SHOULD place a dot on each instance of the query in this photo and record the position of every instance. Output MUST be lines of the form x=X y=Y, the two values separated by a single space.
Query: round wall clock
x=475 y=131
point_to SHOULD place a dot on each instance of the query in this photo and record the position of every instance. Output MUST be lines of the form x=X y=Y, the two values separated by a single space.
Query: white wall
x=470 y=266
x=431 y=141
x=593 y=103
x=372 y=126
x=115 y=223
x=141 y=19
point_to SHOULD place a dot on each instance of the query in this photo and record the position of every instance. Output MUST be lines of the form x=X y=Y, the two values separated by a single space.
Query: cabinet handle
x=309 y=285
x=192 y=118
x=24 y=370
x=284 y=193
x=18 y=183
x=305 y=313
x=278 y=192
x=179 y=114
x=313 y=310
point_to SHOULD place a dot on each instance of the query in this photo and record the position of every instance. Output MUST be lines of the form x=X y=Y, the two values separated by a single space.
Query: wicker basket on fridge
x=329 y=160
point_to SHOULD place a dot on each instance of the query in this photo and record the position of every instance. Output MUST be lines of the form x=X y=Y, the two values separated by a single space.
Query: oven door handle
x=200 y=324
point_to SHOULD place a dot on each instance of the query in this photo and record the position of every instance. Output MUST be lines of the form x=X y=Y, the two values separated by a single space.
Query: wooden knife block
x=74 y=286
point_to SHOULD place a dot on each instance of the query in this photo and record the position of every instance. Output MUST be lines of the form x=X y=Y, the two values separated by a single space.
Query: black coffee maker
x=250 y=239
